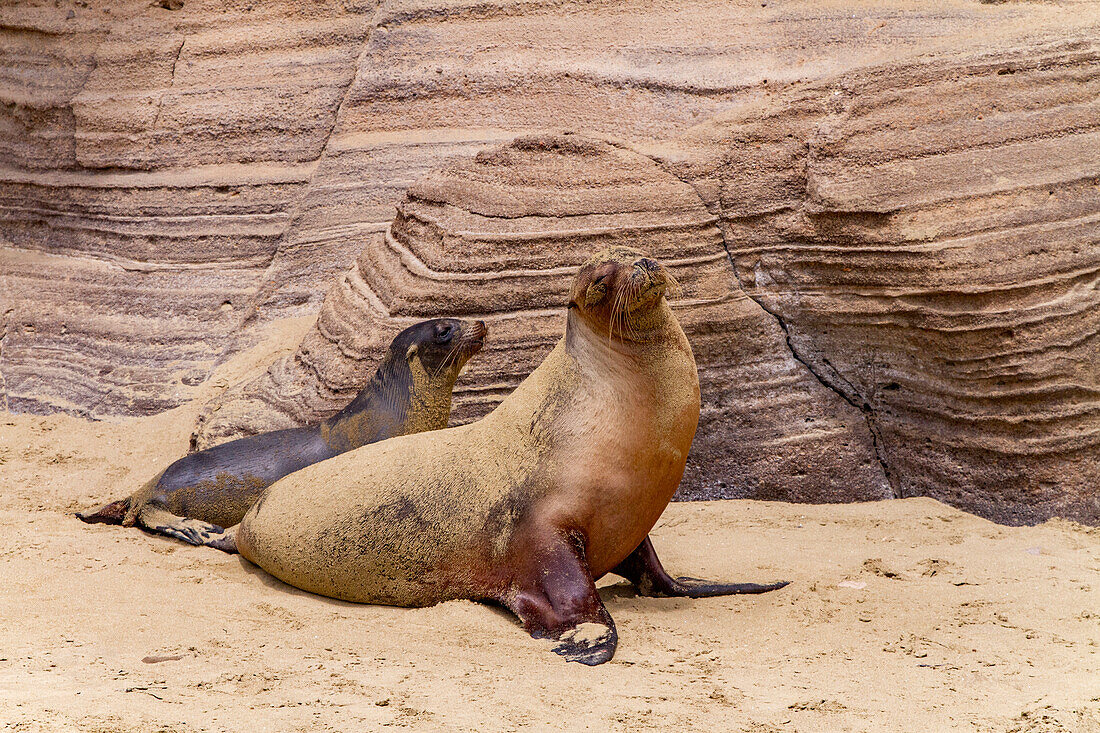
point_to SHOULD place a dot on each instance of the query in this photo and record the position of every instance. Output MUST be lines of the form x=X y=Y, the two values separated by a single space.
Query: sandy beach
x=905 y=615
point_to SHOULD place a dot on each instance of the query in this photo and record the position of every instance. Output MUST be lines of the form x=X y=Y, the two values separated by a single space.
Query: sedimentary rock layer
x=280 y=136
x=152 y=162
x=909 y=190
x=441 y=79
x=499 y=237
x=930 y=236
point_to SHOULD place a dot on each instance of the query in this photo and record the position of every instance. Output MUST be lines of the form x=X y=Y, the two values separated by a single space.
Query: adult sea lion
x=195 y=497
x=527 y=507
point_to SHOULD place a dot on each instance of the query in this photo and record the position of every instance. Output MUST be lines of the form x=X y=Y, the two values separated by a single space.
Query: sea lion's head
x=439 y=347
x=619 y=291
x=411 y=391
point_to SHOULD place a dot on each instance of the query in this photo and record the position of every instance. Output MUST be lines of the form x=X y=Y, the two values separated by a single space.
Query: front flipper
x=644 y=570
x=192 y=531
x=555 y=597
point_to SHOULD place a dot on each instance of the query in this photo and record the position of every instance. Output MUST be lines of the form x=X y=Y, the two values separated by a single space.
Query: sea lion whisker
x=447 y=359
x=616 y=312
x=617 y=317
x=620 y=314
x=611 y=322
x=630 y=323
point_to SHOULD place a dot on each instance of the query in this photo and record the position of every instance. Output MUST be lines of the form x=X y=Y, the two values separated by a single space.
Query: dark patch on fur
x=399 y=511
x=508 y=512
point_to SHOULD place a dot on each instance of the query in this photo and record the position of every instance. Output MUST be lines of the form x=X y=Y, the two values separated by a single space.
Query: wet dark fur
x=219 y=484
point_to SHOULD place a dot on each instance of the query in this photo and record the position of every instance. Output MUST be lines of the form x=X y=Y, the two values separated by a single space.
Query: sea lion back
x=382 y=526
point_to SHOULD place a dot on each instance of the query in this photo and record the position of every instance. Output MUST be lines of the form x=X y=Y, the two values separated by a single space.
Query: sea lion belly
x=621 y=470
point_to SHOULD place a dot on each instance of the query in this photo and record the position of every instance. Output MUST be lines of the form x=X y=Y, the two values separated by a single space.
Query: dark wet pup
x=199 y=495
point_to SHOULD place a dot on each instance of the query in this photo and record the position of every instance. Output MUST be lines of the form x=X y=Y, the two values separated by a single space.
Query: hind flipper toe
x=185 y=529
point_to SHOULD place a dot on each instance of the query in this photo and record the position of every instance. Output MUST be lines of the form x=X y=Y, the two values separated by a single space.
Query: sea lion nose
x=648 y=265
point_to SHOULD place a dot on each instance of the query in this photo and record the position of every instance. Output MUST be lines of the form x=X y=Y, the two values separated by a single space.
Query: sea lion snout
x=474 y=332
x=648 y=279
x=471 y=340
x=619 y=290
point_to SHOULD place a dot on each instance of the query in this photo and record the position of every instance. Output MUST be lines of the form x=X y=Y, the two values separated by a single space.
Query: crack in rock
x=264 y=283
x=864 y=408
x=856 y=401
x=4 y=325
x=171 y=84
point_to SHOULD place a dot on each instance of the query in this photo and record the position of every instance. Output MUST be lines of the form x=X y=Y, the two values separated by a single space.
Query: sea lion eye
x=596 y=292
x=444 y=334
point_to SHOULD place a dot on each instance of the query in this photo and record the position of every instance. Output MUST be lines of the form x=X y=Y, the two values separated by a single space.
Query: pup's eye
x=445 y=334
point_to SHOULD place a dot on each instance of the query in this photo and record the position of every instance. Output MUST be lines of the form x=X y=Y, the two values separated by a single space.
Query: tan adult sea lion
x=195 y=497
x=527 y=507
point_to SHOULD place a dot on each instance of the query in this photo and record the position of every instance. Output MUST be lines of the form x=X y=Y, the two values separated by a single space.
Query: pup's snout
x=648 y=265
x=476 y=331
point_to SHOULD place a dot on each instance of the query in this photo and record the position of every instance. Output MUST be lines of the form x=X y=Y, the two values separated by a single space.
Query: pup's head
x=442 y=346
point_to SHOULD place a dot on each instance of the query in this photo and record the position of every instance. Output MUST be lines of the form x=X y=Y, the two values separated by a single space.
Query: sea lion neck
x=381 y=408
x=429 y=398
x=644 y=338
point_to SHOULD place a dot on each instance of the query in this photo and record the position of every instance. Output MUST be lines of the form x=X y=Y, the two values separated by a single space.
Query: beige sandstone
x=884 y=218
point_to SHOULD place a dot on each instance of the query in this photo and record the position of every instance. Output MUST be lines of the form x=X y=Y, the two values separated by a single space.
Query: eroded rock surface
x=196 y=170
x=906 y=197
x=152 y=160
x=499 y=237
x=930 y=237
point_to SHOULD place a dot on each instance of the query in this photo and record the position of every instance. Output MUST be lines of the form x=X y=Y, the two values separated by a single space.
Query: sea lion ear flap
x=410 y=353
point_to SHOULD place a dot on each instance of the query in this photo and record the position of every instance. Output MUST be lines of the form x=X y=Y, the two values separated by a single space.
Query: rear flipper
x=643 y=568
x=227 y=542
x=112 y=513
x=192 y=531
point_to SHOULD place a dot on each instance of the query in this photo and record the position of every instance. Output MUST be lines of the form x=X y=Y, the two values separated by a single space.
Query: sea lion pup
x=198 y=495
x=527 y=507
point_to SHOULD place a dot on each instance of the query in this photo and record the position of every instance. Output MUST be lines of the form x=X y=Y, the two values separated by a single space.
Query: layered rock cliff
x=498 y=237
x=152 y=161
x=928 y=235
x=884 y=218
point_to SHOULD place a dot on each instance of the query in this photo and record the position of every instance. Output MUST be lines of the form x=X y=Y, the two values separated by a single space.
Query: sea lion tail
x=112 y=513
